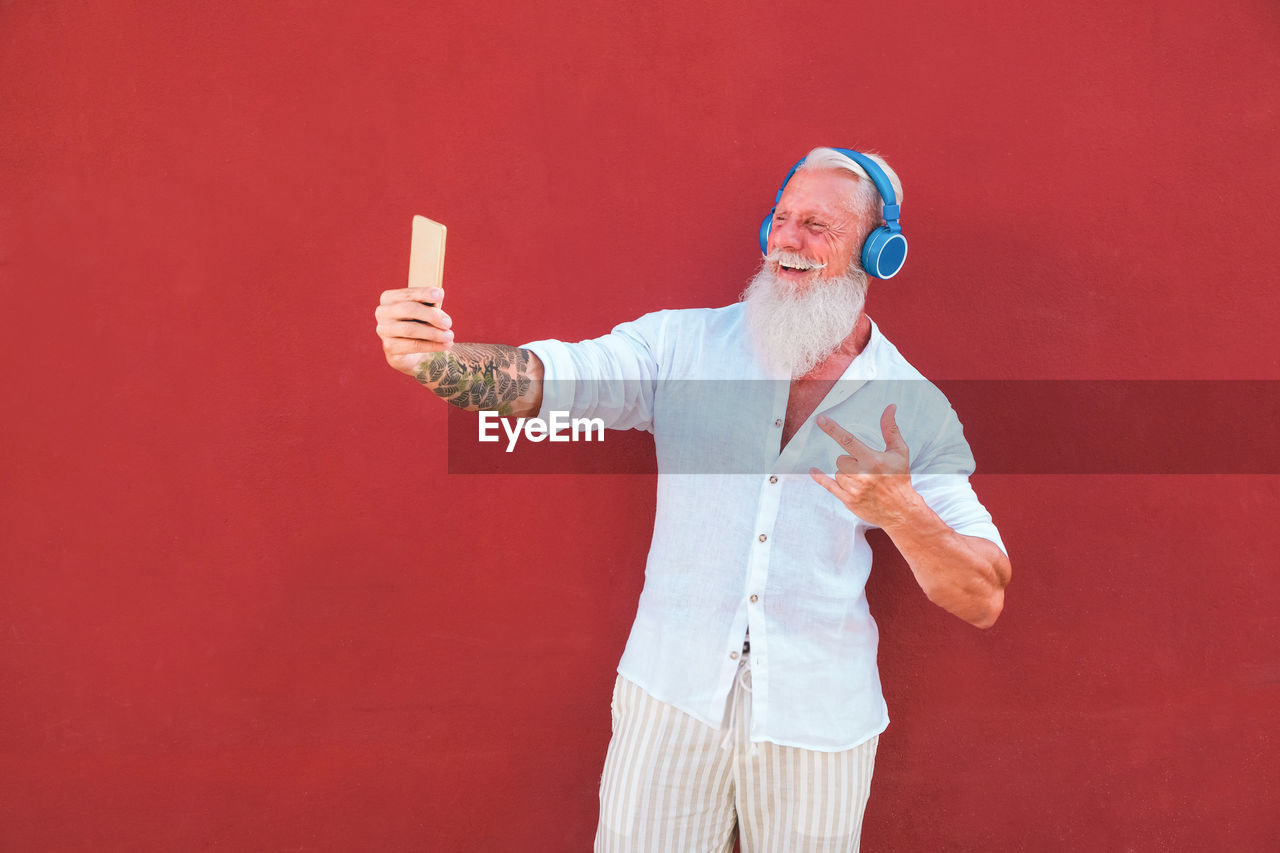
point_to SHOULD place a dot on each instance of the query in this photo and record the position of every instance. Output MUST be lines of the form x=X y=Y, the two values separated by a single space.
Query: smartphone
x=426 y=254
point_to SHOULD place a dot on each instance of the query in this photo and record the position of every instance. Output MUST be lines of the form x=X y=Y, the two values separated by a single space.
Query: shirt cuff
x=984 y=531
x=557 y=375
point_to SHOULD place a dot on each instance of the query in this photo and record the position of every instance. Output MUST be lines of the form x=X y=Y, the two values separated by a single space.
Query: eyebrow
x=829 y=216
x=824 y=220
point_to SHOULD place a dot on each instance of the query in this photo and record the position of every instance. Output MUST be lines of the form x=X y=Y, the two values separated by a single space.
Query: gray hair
x=866 y=201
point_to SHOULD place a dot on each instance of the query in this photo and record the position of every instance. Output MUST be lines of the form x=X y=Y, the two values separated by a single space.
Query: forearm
x=485 y=377
x=964 y=575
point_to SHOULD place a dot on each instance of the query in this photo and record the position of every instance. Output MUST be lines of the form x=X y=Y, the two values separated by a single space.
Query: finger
x=836 y=489
x=843 y=437
x=414 y=331
x=412 y=294
x=851 y=484
x=829 y=484
x=415 y=311
x=850 y=465
x=893 y=440
x=409 y=346
x=430 y=295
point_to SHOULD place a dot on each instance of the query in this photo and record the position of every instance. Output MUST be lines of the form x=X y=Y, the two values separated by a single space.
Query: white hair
x=866 y=202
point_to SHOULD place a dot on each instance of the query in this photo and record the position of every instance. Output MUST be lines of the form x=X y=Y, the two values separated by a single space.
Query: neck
x=833 y=366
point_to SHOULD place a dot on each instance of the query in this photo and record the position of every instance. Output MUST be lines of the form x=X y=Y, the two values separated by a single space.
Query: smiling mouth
x=794 y=262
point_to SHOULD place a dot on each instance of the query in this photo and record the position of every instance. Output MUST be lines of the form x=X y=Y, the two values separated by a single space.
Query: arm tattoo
x=478 y=377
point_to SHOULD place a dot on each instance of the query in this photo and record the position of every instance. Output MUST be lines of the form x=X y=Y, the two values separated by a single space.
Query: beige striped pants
x=672 y=784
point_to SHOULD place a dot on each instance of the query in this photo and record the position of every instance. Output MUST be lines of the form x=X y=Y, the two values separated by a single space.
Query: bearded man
x=748 y=702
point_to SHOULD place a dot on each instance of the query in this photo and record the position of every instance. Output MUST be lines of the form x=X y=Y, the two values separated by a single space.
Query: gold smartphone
x=426 y=254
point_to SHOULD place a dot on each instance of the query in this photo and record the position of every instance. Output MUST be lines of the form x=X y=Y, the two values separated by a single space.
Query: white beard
x=801 y=328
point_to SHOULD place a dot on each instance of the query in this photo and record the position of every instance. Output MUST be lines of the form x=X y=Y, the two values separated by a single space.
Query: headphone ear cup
x=765 y=228
x=884 y=252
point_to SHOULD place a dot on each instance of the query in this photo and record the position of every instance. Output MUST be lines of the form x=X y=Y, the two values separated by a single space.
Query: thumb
x=893 y=440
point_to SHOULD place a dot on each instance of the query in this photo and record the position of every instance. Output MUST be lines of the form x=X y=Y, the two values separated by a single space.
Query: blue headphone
x=886 y=247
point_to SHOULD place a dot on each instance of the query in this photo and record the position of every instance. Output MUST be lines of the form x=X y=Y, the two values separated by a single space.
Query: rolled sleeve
x=612 y=377
x=942 y=479
x=953 y=499
x=557 y=376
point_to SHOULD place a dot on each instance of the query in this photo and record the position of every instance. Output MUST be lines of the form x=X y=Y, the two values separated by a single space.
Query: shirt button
x=773 y=478
x=754 y=599
x=733 y=655
x=778 y=422
x=763 y=537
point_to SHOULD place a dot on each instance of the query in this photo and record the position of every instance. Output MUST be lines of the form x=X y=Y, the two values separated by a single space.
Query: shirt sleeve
x=942 y=479
x=611 y=377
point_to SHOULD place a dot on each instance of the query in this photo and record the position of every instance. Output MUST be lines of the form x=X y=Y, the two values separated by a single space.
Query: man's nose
x=786 y=235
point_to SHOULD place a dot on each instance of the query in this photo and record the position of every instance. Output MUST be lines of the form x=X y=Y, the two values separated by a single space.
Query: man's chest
x=803 y=398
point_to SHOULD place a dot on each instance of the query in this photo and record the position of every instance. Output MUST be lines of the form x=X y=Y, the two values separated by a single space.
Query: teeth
x=789 y=262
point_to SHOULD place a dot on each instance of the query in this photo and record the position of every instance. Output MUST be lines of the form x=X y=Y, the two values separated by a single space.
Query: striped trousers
x=672 y=784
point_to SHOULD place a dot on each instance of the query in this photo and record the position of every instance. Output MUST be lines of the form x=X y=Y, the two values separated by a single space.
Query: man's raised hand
x=411 y=325
x=875 y=485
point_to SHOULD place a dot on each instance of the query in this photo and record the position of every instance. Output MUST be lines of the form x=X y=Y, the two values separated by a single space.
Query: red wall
x=243 y=606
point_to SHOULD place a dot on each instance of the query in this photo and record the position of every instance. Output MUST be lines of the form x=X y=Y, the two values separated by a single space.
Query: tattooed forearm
x=485 y=377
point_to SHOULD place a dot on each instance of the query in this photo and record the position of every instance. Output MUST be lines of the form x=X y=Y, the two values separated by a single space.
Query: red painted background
x=243 y=607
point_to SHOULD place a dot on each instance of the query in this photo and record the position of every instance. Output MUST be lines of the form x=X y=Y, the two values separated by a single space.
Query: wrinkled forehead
x=827 y=191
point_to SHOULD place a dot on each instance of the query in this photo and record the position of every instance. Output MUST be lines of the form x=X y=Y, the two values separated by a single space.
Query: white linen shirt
x=743 y=537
